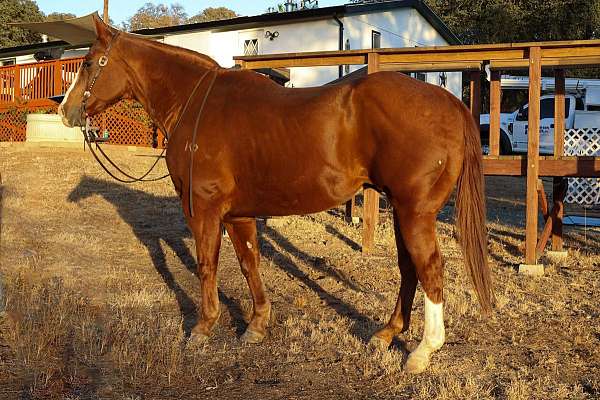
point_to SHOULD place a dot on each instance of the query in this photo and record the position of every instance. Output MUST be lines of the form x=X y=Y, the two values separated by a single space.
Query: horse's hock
x=48 y=129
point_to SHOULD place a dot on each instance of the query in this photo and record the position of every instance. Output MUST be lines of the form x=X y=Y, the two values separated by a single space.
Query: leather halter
x=102 y=62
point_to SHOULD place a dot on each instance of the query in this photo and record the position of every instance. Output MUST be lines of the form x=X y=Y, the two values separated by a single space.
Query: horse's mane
x=190 y=55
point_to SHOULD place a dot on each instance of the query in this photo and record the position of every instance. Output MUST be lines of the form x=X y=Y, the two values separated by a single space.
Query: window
x=375 y=40
x=547 y=108
x=7 y=61
x=251 y=47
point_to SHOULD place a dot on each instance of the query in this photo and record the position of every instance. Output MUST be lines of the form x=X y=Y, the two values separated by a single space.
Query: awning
x=75 y=31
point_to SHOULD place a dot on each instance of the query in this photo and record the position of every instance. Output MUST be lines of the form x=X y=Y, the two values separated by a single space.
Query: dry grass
x=99 y=291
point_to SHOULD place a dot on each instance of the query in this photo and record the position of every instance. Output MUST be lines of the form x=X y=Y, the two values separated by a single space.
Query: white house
x=385 y=24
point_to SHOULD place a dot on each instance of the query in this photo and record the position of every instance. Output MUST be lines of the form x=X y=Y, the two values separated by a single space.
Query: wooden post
x=105 y=15
x=17 y=84
x=370 y=196
x=533 y=158
x=495 y=99
x=57 y=90
x=559 y=189
x=559 y=113
x=475 y=77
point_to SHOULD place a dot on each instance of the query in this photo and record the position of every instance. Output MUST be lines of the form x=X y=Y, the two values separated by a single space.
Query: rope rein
x=89 y=139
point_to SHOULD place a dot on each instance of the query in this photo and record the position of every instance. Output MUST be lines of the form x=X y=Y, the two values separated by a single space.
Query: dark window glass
x=547 y=108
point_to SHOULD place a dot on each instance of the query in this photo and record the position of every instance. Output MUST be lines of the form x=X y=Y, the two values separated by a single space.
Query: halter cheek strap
x=102 y=62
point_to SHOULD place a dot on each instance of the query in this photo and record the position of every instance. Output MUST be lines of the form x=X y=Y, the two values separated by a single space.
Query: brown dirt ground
x=99 y=290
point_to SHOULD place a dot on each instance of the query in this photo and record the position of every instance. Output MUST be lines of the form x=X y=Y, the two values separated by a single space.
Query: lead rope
x=132 y=179
x=193 y=145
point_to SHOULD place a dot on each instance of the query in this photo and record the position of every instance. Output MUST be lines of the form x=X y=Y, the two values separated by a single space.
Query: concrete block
x=531 y=270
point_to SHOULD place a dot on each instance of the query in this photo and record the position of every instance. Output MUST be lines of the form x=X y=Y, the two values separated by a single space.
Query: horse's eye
x=87 y=64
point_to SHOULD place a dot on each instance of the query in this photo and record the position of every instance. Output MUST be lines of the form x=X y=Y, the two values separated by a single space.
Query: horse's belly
x=318 y=194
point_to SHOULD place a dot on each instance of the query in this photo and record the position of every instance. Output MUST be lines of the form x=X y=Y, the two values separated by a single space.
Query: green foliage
x=59 y=16
x=160 y=15
x=18 y=11
x=499 y=21
x=156 y=16
x=213 y=14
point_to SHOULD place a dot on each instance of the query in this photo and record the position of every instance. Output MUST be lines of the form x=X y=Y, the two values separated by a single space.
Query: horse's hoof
x=251 y=337
x=416 y=363
x=377 y=343
x=198 y=338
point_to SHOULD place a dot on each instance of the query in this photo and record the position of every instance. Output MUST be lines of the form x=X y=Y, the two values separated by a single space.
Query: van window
x=547 y=108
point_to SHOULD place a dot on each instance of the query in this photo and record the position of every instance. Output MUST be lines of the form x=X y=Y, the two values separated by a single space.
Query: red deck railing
x=26 y=88
x=26 y=82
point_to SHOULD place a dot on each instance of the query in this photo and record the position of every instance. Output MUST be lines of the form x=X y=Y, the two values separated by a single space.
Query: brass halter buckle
x=103 y=61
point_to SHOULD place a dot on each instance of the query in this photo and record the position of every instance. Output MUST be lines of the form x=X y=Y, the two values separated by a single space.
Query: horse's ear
x=103 y=31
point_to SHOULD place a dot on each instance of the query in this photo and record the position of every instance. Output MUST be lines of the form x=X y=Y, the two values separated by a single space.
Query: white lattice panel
x=583 y=142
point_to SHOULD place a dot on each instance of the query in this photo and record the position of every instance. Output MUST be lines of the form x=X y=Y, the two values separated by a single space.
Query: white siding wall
x=399 y=28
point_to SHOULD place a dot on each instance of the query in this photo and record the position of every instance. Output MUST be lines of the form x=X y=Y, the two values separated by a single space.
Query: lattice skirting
x=126 y=123
x=583 y=142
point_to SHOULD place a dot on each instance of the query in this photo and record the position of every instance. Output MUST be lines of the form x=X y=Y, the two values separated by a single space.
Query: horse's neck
x=164 y=80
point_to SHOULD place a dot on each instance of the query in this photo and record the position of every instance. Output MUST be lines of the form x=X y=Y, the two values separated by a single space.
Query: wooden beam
x=370 y=196
x=495 y=100
x=433 y=67
x=475 y=87
x=545 y=235
x=452 y=55
x=585 y=167
x=571 y=62
x=559 y=190
x=533 y=154
x=559 y=113
x=332 y=60
x=542 y=199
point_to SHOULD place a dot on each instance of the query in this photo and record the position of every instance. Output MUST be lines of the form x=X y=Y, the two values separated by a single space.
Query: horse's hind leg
x=243 y=236
x=400 y=319
x=418 y=232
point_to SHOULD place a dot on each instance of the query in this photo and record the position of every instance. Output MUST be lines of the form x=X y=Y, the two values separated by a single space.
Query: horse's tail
x=470 y=209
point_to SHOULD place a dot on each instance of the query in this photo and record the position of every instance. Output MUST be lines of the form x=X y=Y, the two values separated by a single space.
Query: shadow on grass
x=362 y=325
x=165 y=223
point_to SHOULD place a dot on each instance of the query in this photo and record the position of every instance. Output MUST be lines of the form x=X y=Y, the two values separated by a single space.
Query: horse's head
x=101 y=80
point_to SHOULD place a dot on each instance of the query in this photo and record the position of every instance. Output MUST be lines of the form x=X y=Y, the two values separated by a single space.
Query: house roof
x=267 y=19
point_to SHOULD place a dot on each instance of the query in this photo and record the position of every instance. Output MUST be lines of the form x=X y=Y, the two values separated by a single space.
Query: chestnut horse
x=240 y=146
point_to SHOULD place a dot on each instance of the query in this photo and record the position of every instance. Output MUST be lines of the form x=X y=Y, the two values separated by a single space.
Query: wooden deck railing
x=26 y=88
x=41 y=80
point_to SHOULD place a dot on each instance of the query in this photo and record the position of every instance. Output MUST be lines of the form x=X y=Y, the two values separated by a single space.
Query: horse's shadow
x=164 y=223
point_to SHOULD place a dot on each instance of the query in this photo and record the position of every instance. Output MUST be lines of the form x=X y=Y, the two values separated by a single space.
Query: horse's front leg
x=206 y=227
